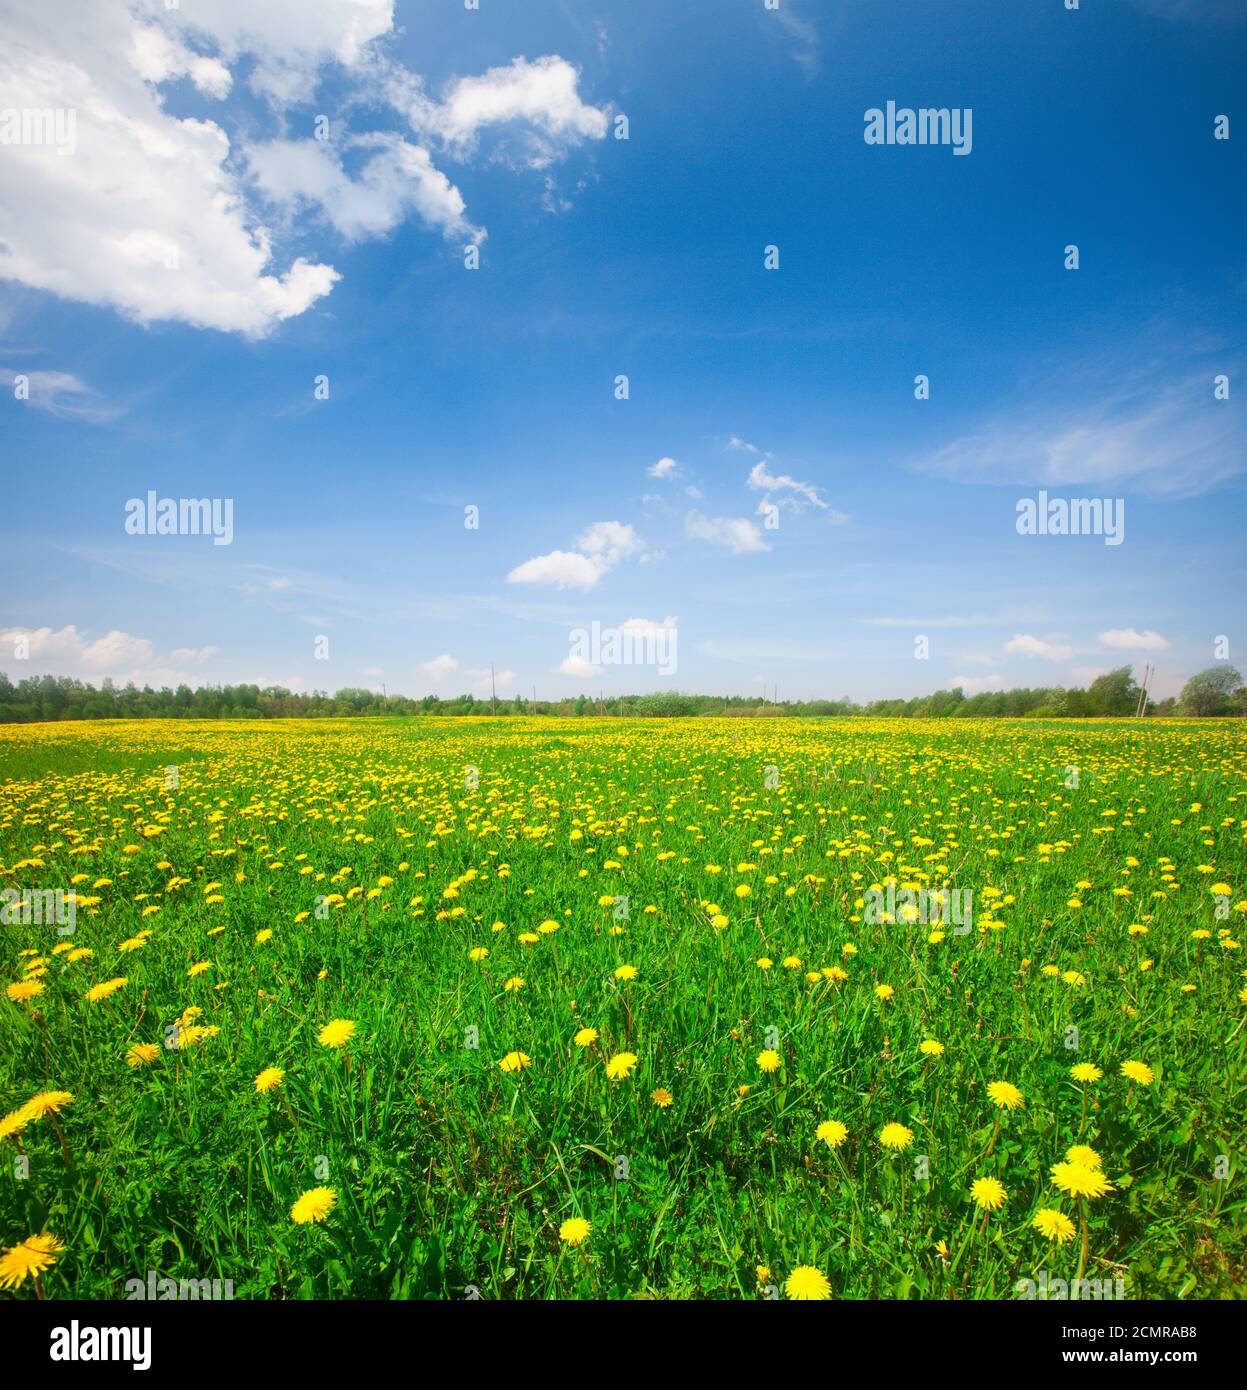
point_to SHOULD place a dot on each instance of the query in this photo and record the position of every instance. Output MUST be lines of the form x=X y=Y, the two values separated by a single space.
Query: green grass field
x=704 y=897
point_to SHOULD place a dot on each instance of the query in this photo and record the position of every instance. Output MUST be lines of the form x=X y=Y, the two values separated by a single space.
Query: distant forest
x=1217 y=691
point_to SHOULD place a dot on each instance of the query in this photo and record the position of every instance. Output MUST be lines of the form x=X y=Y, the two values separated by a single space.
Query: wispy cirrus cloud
x=761 y=479
x=1170 y=439
x=61 y=394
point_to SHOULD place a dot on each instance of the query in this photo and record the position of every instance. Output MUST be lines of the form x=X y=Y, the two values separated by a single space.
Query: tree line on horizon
x=1217 y=691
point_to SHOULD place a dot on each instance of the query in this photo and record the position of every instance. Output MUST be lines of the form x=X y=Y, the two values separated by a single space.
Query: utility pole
x=1148 y=676
x=1140 y=709
x=493 y=691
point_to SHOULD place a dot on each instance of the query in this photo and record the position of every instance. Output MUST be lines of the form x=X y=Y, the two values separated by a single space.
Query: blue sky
x=171 y=288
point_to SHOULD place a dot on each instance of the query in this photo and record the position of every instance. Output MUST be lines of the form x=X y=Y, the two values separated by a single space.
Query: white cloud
x=143 y=216
x=976 y=685
x=648 y=627
x=1128 y=639
x=576 y=666
x=760 y=480
x=560 y=569
x=161 y=217
x=921 y=624
x=737 y=443
x=805 y=50
x=118 y=656
x=737 y=534
x=296 y=684
x=1084 y=675
x=479 y=680
x=602 y=546
x=63 y=395
x=68 y=652
x=610 y=542
x=1163 y=437
x=542 y=95
x=397 y=179
x=664 y=468
x=159 y=56
x=1023 y=644
x=483 y=686
x=289 y=40
x=440 y=667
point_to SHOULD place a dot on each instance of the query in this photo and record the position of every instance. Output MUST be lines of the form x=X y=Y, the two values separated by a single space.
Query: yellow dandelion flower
x=988 y=1194
x=47 y=1103
x=1080 y=1181
x=620 y=1065
x=336 y=1032
x=574 y=1230
x=105 y=990
x=314 y=1205
x=896 y=1136
x=1005 y=1095
x=28 y=1260
x=807 y=1285
x=14 y=1122
x=1053 y=1224
x=832 y=1133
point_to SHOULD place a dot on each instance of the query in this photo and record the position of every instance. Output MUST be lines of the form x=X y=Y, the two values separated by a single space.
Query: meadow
x=540 y=1008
